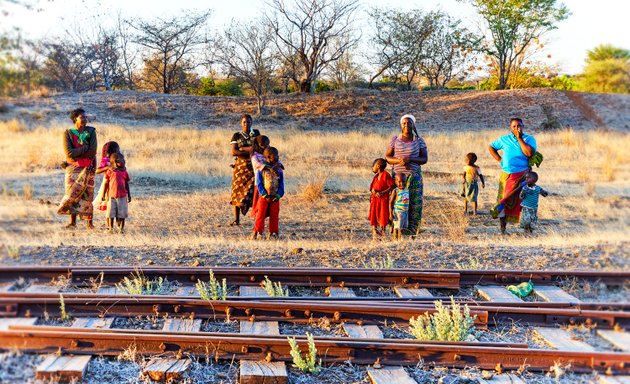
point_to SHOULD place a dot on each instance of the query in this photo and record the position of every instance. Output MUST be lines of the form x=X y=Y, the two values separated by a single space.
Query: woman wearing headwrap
x=407 y=152
x=79 y=144
x=243 y=175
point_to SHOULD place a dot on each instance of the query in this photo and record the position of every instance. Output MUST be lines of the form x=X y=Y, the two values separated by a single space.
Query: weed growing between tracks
x=309 y=363
x=447 y=324
x=274 y=289
x=212 y=290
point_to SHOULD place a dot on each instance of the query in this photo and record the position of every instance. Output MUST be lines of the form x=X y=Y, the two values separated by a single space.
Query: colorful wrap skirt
x=243 y=184
x=415 y=185
x=508 y=200
x=470 y=190
x=79 y=185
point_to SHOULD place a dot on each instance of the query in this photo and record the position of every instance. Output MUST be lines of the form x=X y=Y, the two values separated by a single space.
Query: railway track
x=19 y=303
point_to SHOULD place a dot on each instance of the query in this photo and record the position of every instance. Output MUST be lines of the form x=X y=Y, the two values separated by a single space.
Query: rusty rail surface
x=217 y=309
x=369 y=312
x=358 y=351
x=431 y=278
x=384 y=300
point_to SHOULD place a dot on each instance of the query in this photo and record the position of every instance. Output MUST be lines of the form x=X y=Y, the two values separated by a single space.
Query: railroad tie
x=6 y=323
x=505 y=378
x=562 y=340
x=67 y=368
x=112 y=290
x=385 y=375
x=171 y=368
x=619 y=339
x=41 y=288
x=614 y=380
x=355 y=330
x=554 y=294
x=496 y=293
x=186 y=290
x=260 y=372
x=6 y=287
x=412 y=292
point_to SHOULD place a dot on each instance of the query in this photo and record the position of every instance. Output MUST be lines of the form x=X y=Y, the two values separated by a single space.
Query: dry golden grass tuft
x=138 y=109
x=13 y=126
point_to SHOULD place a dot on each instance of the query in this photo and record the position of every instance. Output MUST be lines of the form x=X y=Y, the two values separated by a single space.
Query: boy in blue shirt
x=529 y=194
x=270 y=184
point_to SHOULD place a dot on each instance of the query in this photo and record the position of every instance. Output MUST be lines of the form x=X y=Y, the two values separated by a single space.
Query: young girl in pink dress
x=100 y=201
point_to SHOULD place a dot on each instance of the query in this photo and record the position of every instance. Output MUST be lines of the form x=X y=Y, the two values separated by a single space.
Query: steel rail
x=389 y=301
x=247 y=347
x=299 y=311
x=446 y=278
x=217 y=309
x=22 y=327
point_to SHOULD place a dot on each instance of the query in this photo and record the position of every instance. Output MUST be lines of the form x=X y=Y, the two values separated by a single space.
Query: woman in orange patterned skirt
x=243 y=175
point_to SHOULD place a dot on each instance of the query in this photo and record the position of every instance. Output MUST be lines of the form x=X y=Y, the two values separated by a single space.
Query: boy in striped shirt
x=529 y=194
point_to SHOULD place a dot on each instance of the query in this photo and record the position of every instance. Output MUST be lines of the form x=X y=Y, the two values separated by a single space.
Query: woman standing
x=243 y=176
x=517 y=148
x=407 y=152
x=79 y=145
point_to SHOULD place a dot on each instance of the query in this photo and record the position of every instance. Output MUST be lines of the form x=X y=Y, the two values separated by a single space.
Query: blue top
x=530 y=196
x=261 y=185
x=513 y=159
x=401 y=204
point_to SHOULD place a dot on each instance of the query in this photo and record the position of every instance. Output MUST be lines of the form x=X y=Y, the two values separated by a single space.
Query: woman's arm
x=422 y=157
x=242 y=152
x=391 y=158
x=92 y=144
x=494 y=153
x=71 y=152
x=527 y=149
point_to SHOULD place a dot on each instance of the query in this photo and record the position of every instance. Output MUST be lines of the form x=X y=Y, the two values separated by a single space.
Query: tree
x=66 y=66
x=246 y=52
x=345 y=70
x=512 y=25
x=400 y=40
x=448 y=48
x=169 y=43
x=607 y=70
x=127 y=52
x=315 y=32
x=606 y=52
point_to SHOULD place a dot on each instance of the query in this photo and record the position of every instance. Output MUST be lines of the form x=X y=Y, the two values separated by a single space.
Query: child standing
x=117 y=184
x=270 y=184
x=399 y=206
x=100 y=201
x=529 y=194
x=381 y=186
x=470 y=187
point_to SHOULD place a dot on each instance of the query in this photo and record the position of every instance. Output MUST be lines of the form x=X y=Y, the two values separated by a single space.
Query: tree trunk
x=305 y=86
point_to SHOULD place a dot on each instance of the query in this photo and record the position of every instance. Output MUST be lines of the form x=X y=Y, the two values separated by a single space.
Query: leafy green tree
x=400 y=39
x=607 y=70
x=606 y=52
x=513 y=25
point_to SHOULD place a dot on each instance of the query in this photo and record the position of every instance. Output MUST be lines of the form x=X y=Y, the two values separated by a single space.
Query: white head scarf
x=408 y=116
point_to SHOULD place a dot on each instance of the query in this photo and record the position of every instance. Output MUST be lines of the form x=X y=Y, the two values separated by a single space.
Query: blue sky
x=591 y=23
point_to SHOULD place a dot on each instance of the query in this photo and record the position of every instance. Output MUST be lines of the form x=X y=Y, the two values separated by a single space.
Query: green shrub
x=310 y=363
x=212 y=290
x=210 y=87
x=138 y=284
x=274 y=289
x=379 y=263
x=444 y=325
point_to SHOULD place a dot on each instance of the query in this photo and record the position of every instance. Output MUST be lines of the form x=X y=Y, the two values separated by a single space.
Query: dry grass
x=184 y=172
x=138 y=109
